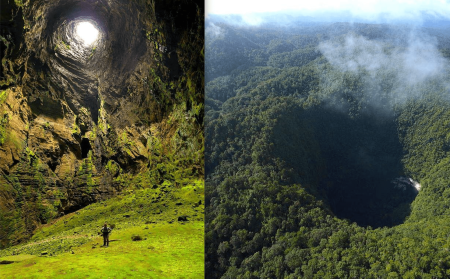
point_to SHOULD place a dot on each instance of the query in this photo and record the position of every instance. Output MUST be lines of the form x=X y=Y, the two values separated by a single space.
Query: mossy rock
x=136 y=238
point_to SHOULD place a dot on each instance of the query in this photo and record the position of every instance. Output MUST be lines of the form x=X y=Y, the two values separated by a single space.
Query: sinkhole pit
x=353 y=164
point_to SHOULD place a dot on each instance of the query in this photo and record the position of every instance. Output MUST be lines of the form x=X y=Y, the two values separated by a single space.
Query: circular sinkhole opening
x=78 y=42
x=86 y=32
x=364 y=179
x=352 y=163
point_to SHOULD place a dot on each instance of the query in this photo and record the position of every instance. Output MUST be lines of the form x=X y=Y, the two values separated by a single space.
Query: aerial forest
x=327 y=150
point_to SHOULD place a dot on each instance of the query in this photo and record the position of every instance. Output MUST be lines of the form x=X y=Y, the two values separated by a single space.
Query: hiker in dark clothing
x=106 y=231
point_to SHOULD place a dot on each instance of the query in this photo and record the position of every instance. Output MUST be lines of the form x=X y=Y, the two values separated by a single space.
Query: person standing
x=105 y=232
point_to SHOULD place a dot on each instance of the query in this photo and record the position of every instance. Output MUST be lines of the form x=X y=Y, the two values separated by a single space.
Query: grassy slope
x=170 y=248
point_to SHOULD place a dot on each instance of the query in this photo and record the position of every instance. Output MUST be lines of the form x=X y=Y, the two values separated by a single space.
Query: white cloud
x=407 y=9
x=410 y=68
x=213 y=31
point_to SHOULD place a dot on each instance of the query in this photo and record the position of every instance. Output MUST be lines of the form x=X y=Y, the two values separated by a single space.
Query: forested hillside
x=327 y=151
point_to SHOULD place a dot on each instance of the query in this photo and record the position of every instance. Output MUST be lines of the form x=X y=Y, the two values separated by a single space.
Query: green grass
x=169 y=249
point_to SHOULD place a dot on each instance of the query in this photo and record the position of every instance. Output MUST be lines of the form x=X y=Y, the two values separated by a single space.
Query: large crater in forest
x=355 y=164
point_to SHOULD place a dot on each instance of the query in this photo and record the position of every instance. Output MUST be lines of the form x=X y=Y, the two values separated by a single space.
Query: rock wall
x=82 y=123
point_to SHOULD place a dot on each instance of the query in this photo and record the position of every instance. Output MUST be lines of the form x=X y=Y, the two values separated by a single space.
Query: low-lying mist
x=396 y=70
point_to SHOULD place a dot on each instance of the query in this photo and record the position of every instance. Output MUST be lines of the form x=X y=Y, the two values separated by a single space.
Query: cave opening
x=85 y=148
x=86 y=47
x=87 y=32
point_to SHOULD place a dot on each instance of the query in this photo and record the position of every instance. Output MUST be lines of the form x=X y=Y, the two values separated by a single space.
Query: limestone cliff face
x=82 y=123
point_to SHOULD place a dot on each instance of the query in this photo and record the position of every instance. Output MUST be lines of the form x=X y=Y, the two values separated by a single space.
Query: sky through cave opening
x=87 y=32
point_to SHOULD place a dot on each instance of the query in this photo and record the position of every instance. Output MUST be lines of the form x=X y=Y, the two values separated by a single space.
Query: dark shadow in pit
x=362 y=157
x=45 y=105
x=349 y=163
x=85 y=147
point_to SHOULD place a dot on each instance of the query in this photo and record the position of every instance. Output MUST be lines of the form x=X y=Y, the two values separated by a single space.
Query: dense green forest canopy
x=327 y=151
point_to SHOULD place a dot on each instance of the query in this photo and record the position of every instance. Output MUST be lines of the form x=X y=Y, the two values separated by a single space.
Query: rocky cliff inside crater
x=81 y=122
